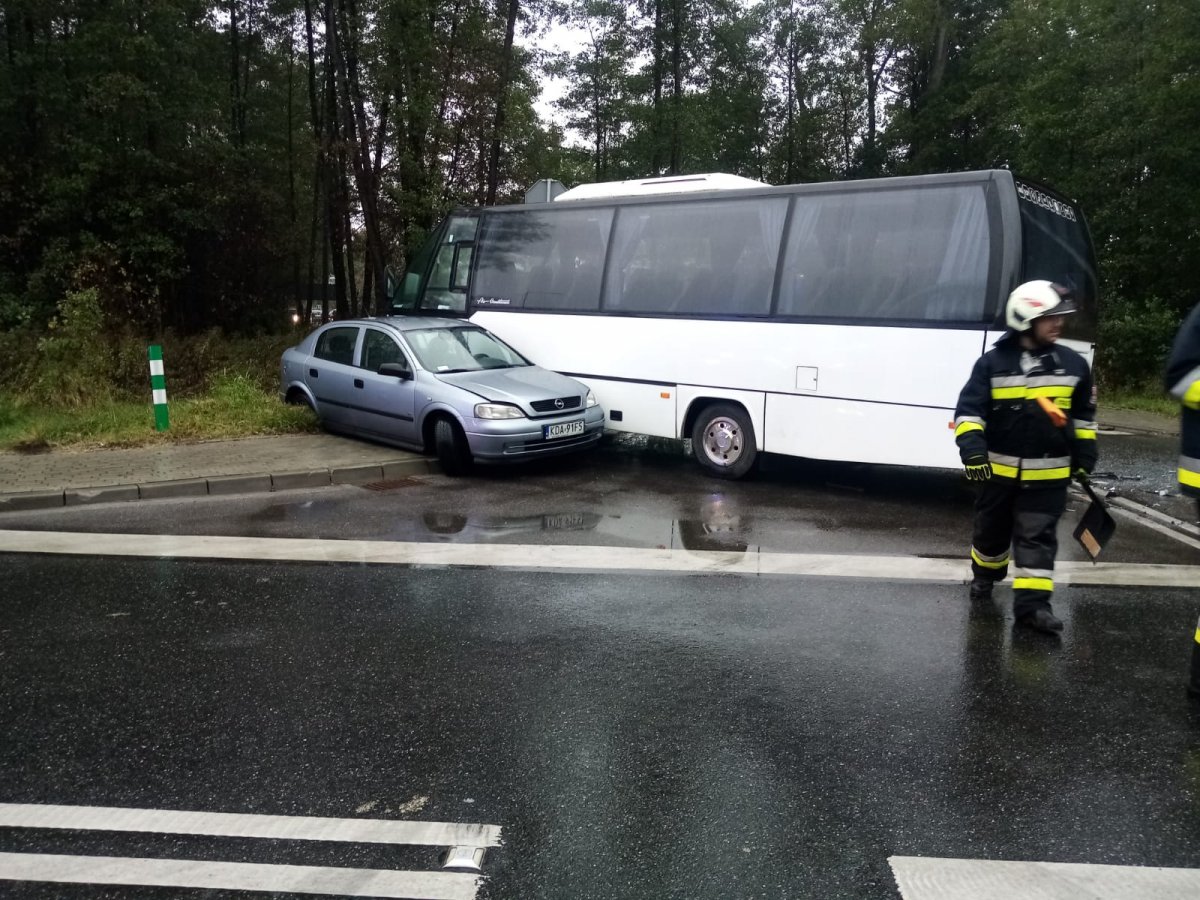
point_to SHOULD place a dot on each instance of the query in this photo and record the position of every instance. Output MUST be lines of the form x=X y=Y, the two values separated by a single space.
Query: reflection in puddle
x=717 y=523
x=487 y=527
x=720 y=526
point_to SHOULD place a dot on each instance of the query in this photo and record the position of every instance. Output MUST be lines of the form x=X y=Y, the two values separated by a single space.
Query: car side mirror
x=396 y=370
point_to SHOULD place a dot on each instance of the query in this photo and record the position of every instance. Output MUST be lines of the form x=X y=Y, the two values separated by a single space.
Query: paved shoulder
x=257 y=463
x=1137 y=420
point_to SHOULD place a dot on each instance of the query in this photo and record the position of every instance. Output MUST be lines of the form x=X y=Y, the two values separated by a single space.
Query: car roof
x=409 y=323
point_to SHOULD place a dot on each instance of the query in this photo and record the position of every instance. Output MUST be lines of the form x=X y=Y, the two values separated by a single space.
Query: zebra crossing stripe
x=298 y=828
x=566 y=557
x=181 y=873
x=931 y=878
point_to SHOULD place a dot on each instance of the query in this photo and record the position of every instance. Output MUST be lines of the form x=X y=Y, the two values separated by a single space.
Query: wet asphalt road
x=636 y=736
x=633 y=495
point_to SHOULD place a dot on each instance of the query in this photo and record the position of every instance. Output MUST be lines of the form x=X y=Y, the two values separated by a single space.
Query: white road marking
x=930 y=878
x=1152 y=513
x=560 y=557
x=296 y=828
x=179 y=873
x=1154 y=526
x=533 y=556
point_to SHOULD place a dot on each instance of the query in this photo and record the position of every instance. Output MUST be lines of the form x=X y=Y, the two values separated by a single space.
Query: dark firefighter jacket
x=1183 y=383
x=999 y=414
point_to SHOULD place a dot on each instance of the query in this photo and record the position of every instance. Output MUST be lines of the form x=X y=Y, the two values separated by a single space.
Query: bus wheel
x=723 y=441
x=450 y=444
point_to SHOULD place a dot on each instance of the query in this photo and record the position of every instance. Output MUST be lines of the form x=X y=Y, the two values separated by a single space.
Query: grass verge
x=234 y=407
x=1143 y=401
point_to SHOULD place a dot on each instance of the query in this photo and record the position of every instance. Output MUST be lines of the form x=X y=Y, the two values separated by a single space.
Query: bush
x=76 y=361
x=71 y=366
x=1133 y=344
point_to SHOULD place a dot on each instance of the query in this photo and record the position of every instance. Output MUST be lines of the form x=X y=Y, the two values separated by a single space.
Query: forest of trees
x=200 y=163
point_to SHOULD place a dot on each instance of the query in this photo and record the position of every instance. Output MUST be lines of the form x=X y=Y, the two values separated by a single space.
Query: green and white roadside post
x=158 y=385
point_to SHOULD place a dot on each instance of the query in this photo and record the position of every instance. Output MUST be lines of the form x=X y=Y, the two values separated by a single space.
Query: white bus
x=832 y=321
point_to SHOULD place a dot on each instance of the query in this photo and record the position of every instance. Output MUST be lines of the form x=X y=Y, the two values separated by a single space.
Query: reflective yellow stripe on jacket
x=1187 y=389
x=963 y=424
x=1019 y=387
x=1050 y=469
x=1046 y=469
x=1084 y=431
x=1189 y=471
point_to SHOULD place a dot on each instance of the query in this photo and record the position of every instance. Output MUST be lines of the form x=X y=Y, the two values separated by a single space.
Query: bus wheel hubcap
x=723 y=442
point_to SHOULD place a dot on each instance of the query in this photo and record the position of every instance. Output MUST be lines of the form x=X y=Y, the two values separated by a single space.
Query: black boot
x=981 y=589
x=1042 y=620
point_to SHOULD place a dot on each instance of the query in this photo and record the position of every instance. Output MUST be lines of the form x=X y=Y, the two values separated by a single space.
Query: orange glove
x=1057 y=416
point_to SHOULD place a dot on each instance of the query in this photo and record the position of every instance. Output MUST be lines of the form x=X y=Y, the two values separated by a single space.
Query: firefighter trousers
x=1025 y=519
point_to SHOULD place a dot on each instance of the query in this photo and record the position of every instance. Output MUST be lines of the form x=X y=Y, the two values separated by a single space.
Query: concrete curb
x=222 y=485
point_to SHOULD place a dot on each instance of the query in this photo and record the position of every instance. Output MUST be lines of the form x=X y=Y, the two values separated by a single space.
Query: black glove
x=978 y=468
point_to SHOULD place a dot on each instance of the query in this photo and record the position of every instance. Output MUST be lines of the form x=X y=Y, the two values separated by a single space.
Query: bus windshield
x=436 y=280
x=1055 y=245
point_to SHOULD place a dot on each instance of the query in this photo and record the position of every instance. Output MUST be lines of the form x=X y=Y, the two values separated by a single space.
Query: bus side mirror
x=461 y=268
x=396 y=370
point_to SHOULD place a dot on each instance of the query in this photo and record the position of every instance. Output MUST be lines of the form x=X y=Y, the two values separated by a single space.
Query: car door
x=385 y=404
x=330 y=374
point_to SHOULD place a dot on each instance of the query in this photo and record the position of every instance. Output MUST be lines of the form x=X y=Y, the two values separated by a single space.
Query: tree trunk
x=236 y=119
x=358 y=133
x=334 y=182
x=677 y=87
x=493 y=173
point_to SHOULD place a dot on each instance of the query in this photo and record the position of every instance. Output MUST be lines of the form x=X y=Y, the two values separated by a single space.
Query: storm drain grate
x=392 y=484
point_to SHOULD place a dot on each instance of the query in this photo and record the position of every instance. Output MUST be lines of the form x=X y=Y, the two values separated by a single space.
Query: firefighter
x=1025 y=423
x=1183 y=383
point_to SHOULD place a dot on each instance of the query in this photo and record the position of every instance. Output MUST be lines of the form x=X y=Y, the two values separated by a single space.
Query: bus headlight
x=497 y=411
x=591 y=400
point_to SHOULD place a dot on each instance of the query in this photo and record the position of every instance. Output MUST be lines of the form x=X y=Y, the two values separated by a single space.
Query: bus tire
x=450 y=444
x=723 y=440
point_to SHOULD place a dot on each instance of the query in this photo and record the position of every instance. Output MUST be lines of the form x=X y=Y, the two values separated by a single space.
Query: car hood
x=519 y=386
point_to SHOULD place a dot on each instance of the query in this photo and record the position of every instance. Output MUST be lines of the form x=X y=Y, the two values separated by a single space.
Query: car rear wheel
x=723 y=441
x=450 y=444
x=297 y=397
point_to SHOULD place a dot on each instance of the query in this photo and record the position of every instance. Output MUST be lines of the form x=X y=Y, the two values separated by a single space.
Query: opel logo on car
x=558 y=404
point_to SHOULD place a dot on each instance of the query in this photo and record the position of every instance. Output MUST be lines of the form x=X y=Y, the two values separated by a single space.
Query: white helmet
x=1035 y=299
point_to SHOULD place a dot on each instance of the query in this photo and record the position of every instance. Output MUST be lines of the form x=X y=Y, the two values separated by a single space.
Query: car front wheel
x=450 y=444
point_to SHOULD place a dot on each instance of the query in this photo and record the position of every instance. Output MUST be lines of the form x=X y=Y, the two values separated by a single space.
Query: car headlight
x=497 y=411
x=591 y=400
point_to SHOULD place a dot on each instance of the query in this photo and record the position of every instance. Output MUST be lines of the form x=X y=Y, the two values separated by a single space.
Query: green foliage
x=79 y=363
x=149 y=187
x=1145 y=400
x=1133 y=344
x=71 y=365
x=117 y=172
x=236 y=407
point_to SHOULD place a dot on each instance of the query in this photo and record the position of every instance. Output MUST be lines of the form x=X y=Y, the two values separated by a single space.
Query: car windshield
x=463 y=349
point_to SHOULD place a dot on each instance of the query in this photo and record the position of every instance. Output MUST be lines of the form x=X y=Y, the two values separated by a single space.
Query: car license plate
x=563 y=429
x=566 y=521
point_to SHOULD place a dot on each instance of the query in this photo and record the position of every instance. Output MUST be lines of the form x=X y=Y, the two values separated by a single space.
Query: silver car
x=440 y=385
